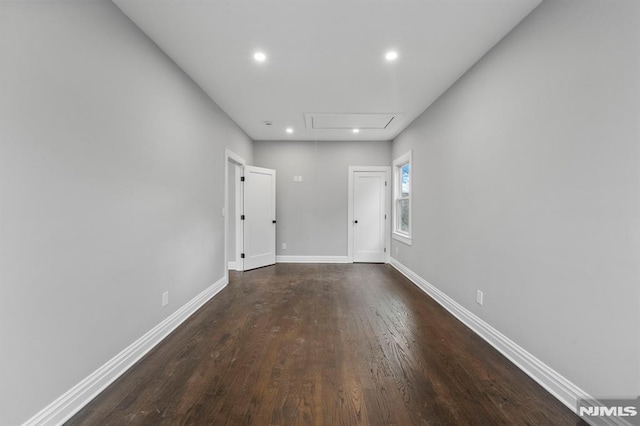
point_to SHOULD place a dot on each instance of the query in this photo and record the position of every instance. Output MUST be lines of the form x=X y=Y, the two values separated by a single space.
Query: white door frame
x=231 y=157
x=387 y=200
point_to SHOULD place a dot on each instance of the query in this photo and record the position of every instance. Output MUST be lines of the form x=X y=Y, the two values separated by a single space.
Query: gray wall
x=312 y=214
x=231 y=213
x=111 y=171
x=527 y=186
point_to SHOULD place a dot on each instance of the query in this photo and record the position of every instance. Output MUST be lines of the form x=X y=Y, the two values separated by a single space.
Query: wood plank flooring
x=351 y=344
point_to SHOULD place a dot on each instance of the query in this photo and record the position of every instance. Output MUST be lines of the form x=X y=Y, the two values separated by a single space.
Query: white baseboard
x=312 y=259
x=560 y=387
x=68 y=404
x=231 y=266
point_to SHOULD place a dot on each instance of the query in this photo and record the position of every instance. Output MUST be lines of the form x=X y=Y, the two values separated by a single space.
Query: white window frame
x=406 y=158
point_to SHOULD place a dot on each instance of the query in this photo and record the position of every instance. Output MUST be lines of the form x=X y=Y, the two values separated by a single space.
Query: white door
x=259 y=217
x=369 y=216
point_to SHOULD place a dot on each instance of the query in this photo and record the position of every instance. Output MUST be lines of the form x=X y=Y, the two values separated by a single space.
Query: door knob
x=355 y=221
x=273 y=221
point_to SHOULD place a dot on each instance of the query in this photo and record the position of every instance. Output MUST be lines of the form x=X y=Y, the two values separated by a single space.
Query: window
x=402 y=198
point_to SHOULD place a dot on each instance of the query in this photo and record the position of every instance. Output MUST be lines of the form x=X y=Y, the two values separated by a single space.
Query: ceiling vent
x=337 y=121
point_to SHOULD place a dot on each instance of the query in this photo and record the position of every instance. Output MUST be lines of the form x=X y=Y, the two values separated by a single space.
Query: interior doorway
x=233 y=206
x=258 y=217
x=368 y=211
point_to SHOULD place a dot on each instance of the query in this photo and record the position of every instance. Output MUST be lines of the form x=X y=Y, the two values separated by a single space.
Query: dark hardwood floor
x=323 y=345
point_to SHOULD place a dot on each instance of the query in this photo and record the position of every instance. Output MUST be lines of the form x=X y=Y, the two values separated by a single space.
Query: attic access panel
x=321 y=121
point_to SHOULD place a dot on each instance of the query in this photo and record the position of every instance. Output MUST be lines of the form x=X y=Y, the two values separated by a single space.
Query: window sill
x=402 y=238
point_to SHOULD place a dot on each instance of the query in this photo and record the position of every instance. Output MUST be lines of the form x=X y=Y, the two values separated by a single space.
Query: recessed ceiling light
x=391 y=56
x=259 y=56
x=289 y=130
x=356 y=130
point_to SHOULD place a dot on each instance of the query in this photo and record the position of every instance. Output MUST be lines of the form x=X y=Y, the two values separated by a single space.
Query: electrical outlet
x=479 y=297
x=284 y=246
x=165 y=298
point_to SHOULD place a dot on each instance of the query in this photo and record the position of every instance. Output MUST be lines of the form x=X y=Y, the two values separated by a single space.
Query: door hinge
x=242 y=255
x=241 y=217
x=385 y=249
x=385 y=183
x=241 y=178
x=385 y=217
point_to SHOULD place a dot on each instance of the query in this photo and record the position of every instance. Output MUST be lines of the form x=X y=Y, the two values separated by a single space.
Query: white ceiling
x=324 y=56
